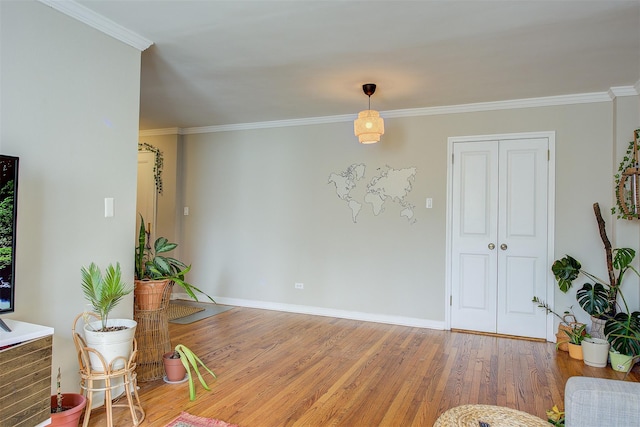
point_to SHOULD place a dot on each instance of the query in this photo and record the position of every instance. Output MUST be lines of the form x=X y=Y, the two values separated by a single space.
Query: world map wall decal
x=389 y=185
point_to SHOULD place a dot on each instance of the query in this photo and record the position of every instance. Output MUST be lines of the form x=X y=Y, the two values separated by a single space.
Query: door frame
x=154 y=219
x=551 y=195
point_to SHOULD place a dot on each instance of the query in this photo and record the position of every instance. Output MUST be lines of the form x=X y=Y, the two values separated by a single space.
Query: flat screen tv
x=8 y=216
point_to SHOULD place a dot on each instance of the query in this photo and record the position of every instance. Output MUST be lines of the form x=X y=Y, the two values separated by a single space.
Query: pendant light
x=369 y=125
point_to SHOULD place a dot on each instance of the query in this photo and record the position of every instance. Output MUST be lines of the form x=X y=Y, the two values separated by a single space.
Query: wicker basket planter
x=569 y=323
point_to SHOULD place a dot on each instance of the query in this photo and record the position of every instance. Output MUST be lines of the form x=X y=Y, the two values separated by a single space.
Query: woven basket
x=152 y=335
x=494 y=416
x=569 y=322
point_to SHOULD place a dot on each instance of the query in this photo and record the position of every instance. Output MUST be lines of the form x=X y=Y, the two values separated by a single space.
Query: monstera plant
x=598 y=297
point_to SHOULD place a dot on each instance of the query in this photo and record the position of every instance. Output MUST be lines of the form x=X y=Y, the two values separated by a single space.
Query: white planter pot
x=111 y=345
x=595 y=352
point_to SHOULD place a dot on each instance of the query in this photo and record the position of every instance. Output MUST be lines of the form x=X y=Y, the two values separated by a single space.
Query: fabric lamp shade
x=368 y=126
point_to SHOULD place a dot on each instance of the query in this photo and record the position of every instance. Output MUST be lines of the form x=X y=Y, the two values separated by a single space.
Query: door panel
x=499 y=236
x=523 y=230
x=474 y=228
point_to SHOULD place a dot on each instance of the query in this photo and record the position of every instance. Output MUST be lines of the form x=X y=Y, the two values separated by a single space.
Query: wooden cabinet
x=25 y=375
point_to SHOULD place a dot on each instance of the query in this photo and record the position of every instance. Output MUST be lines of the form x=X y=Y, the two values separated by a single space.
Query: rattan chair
x=114 y=374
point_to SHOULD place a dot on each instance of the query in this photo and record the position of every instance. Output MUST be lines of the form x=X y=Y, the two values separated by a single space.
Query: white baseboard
x=327 y=312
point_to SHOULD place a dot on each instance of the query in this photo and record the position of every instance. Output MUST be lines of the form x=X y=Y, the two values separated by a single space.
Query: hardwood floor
x=283 y=369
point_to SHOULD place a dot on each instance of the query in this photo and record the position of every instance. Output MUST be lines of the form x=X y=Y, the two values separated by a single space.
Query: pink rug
x=188 y=420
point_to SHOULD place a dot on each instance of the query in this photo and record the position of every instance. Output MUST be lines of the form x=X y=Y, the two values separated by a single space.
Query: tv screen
x=8 y=215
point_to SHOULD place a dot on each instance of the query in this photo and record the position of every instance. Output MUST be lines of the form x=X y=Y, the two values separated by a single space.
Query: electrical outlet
x=299 y=285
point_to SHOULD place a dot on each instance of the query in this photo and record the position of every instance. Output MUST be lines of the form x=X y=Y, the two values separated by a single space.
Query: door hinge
x=548 y=155
x=450 y=299
x=452 y=158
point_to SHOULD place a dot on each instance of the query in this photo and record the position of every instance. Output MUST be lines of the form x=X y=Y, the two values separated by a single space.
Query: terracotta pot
x=174 y=368
x=70 y=417
x=575 y=351
x=148 y=294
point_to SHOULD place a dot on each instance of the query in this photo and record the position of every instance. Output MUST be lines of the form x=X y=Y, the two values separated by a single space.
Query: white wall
x=70 y=100
x=262 y=215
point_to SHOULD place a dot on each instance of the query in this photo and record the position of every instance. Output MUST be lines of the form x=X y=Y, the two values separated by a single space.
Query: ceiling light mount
x=369 y=89
x=369 y=125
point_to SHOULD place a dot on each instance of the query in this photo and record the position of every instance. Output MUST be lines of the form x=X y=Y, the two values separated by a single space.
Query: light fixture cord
x=369 y=102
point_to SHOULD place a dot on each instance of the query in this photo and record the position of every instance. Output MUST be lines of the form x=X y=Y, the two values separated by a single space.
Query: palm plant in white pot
x=112 y=338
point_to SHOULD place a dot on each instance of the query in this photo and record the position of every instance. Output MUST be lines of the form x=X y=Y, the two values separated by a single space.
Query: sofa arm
x=597 y=402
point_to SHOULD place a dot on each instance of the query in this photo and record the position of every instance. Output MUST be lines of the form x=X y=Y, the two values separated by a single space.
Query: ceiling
x=230 y=62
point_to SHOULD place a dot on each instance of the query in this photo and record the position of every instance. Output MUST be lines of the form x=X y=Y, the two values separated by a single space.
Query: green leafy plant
x=541 y=304
x=157 y=165
x=598 y=299
x=154 y=264
x=104 y=293
x=623 y=331
x=627 y=162
x=577 y=334
x=191 y=361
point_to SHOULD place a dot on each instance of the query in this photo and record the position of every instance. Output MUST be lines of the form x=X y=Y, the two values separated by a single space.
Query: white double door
x=499 y=240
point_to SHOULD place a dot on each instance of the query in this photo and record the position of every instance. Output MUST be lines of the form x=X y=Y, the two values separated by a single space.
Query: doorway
x=500 y=233
x=146 y=203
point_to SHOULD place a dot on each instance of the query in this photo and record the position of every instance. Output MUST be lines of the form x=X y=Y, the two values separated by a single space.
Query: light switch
x=429 y=202
x=108 y=207
x=185 y=211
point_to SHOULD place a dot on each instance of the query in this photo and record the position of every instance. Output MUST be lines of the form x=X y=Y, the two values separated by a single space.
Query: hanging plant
x=628 y=174
x=157 y=166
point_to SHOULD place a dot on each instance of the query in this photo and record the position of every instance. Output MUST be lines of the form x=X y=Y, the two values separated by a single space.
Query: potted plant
x=595 y=352
x=567 y=323
x=66 y=408
x=175 y=371
x=598 y=299
x=112 y=338
x=623 y=333
x=155 y=271
x=189 y=361
x=576 y=335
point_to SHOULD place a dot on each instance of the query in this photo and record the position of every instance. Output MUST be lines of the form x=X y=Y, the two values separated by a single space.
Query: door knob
x=503 y=246
x=491 y=246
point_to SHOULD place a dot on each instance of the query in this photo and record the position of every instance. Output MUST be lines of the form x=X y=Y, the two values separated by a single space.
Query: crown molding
x=158 y=132
x=99 y=22
x=549 y=101
x=271 y=124
x=617 y=91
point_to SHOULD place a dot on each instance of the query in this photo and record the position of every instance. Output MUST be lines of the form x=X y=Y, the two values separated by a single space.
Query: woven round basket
x=492 y=416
